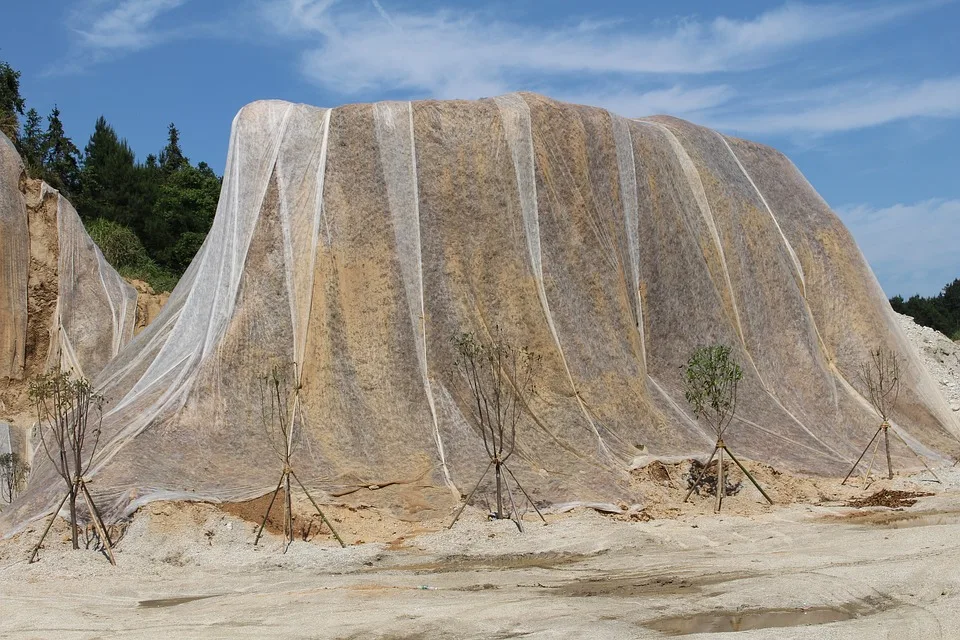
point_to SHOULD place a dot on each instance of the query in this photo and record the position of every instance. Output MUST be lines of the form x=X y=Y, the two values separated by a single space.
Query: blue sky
x=864 y=97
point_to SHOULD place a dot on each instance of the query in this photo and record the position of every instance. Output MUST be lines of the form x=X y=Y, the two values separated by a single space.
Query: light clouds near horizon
x=864 y=96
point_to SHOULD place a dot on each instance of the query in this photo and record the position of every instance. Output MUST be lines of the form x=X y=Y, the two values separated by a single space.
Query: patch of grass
x=123 y=250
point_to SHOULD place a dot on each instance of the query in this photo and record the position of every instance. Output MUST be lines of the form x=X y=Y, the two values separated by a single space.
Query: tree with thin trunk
x=711 y=380
x=282 y=417
x=13 y=476
x=881 y=375
x=501 y=381
x=70 y=415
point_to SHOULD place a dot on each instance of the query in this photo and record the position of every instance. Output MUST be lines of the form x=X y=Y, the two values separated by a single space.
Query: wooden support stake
x=288 y=512
x=56 y=512
x=863 y=453
x=467 y=501
x=873 y=458
x=513 y=505
x=524 y=491
x=749 y=475
x=320 y=511
x=97 y=520
x=919 y=457
x=269 y=507
x=720 y=486
x=886 y=442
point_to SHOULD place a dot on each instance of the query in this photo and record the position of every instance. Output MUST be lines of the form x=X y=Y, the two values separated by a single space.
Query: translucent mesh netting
x=6 y=441
x=14 y=262
x=96 y=308
x=358 y=241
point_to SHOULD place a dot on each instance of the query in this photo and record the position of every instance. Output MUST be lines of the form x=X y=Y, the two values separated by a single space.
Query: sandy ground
x=809 y=567
x=812 y=566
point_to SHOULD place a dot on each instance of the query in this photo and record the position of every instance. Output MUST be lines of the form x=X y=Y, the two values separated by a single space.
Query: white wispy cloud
x=702 y=69
x=911 y=247
x=850 y=106
x=127 y=25
x=444 y=53
x=674 y=100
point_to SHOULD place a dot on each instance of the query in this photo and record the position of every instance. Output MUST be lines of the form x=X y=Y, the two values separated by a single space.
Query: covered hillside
x=358 y=241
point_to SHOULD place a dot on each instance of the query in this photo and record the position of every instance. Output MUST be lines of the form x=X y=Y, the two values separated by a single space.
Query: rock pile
x=940 y=354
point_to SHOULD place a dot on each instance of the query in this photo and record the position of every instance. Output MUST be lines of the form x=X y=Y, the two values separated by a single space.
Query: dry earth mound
x=357 y=241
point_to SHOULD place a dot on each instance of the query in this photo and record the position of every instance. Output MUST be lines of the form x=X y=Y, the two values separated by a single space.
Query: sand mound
x=358 y=241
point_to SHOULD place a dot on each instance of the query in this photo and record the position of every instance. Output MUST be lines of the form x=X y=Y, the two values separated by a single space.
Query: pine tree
x=11 y=104
x=109 y=181
x=60 y=157
x=950 y=301
x=172 y=158
x=31 y=144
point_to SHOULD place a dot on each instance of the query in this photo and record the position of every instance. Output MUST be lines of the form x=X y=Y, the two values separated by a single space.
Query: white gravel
x=940 y=354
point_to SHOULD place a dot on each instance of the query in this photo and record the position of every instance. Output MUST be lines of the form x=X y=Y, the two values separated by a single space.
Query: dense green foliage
x=11 y=104
x=940 y=312
x=149 y=218
x=710 y=383
x=123 y=249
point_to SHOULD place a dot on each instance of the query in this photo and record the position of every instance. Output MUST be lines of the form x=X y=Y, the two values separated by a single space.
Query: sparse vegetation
x=282 y=417
x=711 y=379
x=880 y=376
x=69 y=415
x=13 y=476
x=501 y=381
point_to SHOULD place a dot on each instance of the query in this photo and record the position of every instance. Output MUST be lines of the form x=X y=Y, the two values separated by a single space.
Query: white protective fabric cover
x=14 y=261
x=96 y=308
x=358 y=241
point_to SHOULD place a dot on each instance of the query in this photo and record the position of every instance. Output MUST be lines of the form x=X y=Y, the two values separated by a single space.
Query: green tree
x=182 y=215
x=940 y=312
x=710 y=385
x=31 y=144
x=109 y=181
x=11 y=103
x=950 y=303
x=60 y=157
x=171 y=157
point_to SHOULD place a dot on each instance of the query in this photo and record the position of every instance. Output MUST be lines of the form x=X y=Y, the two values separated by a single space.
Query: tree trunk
x=720 y=485
x=73 y=516
x=288 y=515
x=499 y=496
x=886 y=442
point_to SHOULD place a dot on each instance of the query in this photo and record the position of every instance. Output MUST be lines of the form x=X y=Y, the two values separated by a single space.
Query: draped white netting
x=358 y=241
